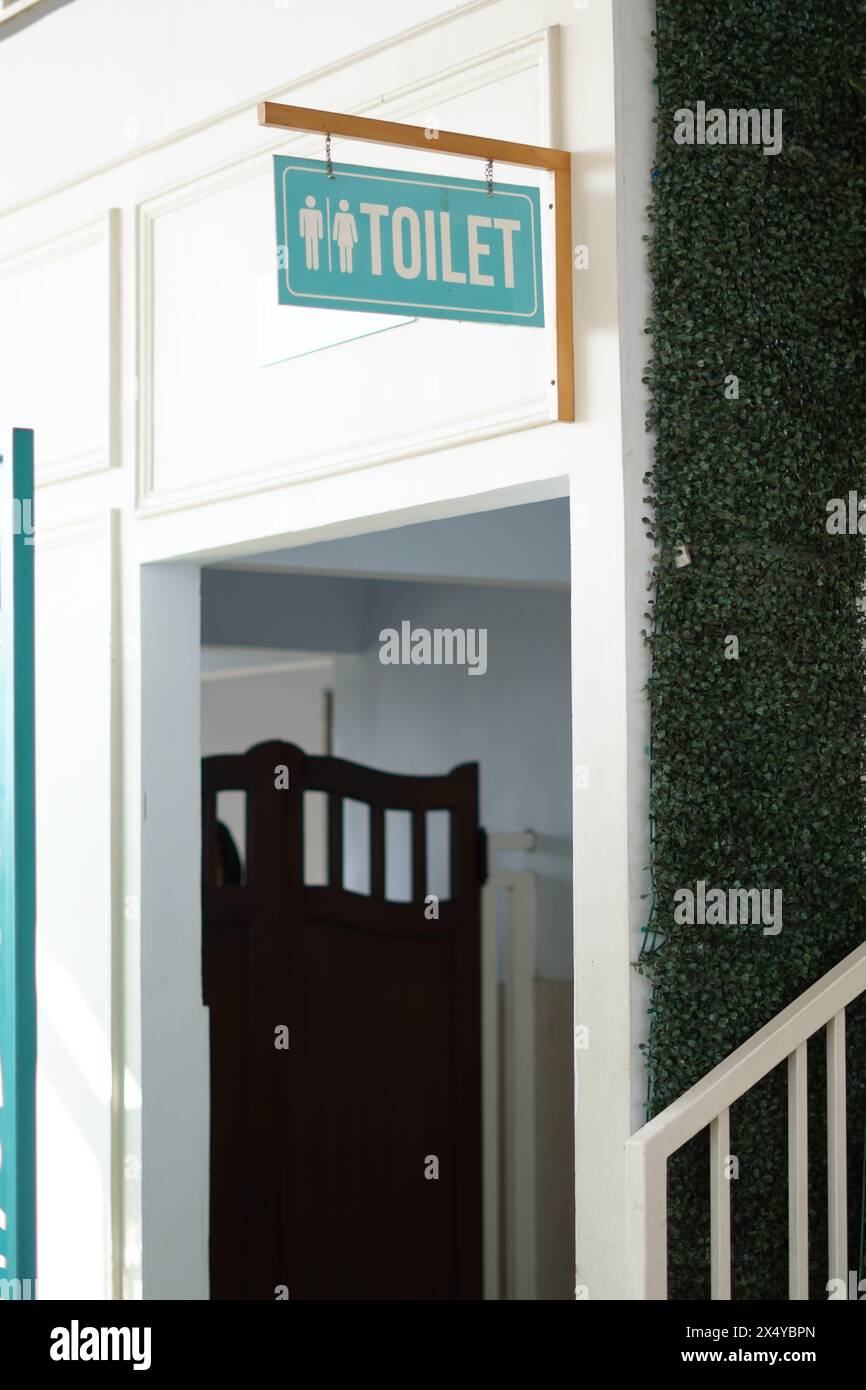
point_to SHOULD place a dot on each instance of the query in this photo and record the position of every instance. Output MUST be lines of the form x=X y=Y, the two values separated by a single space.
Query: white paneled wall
x=216 y=422
x=129 y=285
x=172 y=63
x=58 y=366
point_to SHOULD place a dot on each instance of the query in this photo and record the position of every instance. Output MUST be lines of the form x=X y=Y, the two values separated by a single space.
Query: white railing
x=708 y=1103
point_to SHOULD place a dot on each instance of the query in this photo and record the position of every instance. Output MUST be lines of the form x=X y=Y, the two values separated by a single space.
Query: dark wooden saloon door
x=324 y=1154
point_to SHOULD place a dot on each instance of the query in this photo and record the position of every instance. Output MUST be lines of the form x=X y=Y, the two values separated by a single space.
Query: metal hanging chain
x=329 y=166
x=488 y=174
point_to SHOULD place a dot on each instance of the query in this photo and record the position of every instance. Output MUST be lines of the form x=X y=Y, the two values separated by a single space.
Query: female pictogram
x=345 y=234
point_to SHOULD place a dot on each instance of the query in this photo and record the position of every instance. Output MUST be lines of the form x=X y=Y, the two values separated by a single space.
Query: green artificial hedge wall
x=758 y=265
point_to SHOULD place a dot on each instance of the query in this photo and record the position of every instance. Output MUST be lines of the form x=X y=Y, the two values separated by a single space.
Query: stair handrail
x=648 y=1151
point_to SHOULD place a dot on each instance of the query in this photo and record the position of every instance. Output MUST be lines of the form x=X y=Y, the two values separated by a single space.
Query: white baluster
x=720 y=1207
x=837 y=1178
x=798 y=1176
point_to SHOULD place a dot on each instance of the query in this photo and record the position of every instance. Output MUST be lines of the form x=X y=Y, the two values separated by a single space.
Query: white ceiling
x=514 y=545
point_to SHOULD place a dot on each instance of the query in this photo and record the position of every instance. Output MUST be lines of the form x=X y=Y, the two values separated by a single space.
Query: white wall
x=154 y=406
x=77 y=957
x=515 y=721
x=240 y=709
x=135 y=71
x=245 y=705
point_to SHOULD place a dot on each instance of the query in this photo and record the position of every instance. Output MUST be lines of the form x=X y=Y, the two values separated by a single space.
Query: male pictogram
x=310 y=218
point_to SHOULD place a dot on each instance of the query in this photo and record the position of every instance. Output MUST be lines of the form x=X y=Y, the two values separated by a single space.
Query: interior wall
x=157 y=406
x=515 y=721
x=172 y=65
x=75 y=951
x=239 y=710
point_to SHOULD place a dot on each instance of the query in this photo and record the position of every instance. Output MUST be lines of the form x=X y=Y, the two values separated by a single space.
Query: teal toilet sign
x=17 y=873
x=389 y=242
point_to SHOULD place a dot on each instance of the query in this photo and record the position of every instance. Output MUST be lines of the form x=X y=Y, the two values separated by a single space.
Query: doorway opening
x=407 y=653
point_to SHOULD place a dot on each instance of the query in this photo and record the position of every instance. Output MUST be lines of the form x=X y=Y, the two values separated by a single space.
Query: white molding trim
x=554 y=586
x=538 y=49
x=283 y=92
x=103 y=229
x=535 y=51
x=273 y=668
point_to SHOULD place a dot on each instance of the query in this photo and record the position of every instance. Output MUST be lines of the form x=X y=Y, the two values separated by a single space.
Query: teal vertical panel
x=17 y=870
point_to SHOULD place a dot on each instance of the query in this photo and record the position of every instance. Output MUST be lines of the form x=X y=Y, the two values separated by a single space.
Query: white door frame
x=175 y=1078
